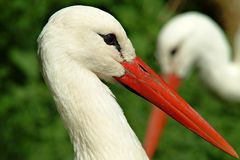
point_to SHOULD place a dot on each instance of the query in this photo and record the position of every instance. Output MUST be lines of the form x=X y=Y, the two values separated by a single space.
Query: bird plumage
x=95 y=121
x=200 y=42
x=81 y=45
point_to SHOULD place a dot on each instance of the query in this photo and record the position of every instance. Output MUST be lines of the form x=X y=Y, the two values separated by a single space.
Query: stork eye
x=110 y=39
x=174 y=51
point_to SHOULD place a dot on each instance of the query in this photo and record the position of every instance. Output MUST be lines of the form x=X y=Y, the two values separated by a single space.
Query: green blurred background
x=31 y=128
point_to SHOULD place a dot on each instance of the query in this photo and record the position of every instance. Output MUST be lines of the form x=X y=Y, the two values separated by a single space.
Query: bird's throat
x=95 y=121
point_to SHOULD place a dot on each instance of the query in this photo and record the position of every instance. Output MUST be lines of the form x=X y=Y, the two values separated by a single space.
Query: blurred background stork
x=30 y=127
x=193 y=40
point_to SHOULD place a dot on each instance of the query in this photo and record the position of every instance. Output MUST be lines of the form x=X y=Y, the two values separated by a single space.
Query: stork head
x=93 y=39
x=190 y=39
x=89 y=36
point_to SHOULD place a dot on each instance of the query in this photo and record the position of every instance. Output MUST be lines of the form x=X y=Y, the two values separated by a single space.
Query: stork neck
x=221 y=74
x=96 y=124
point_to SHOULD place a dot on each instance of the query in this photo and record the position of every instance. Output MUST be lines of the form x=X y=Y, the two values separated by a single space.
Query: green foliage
x=31 y=128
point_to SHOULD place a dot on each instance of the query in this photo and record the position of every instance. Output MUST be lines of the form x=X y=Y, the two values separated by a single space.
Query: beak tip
x=229 y=150
x=234 y=154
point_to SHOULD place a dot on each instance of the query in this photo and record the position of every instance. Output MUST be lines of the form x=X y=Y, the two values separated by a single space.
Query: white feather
x=73 y=55
x=200 y=42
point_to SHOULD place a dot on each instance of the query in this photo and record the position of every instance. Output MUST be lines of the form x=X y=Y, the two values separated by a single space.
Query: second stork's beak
x=141 y=79
x=173 y=80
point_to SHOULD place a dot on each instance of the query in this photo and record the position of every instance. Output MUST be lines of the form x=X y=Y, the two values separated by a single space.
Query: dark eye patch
x=110 y=39
x=174 y=51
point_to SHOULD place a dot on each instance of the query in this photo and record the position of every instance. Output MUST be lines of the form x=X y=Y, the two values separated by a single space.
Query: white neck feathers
x=216 y=67
x=96 y=124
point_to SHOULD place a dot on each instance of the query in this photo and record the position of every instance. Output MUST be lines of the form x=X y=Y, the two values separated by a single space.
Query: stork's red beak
x=158 y=120
x=141 y=79
x=173 y=80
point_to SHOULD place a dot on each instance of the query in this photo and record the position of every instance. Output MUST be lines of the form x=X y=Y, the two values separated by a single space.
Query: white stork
x=81 y=45
x=193 y=39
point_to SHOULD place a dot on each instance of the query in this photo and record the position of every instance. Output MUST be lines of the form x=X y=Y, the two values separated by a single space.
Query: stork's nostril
x=143 y=68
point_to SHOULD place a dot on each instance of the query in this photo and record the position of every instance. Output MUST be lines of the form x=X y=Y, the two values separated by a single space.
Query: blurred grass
x=30 y=127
